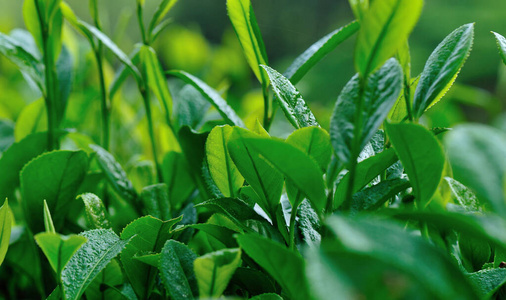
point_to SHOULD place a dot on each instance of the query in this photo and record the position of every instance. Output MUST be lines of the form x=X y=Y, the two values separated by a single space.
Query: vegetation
x=379 y=206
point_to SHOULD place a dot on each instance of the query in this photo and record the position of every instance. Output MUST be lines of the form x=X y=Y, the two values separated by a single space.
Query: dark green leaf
x=212 y=96
x=65 y=75
x=102 y=246
x=286 y=267
x=176 y=270
x=214 y=271
x=464 y=196
x=295 y=108
x=421 y=155
x=104 y=285
x=487 y=282
x=385 y=26
x=156 y=201
x=178 y=177
x=191 y=107
x=6 y=134
x=221 y=233
x=442 y=68
x=382 y=90
x=373 y=197
x=54 y=177
x=235 y=209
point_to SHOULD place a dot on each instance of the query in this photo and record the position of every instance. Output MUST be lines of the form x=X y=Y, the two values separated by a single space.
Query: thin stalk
x=147 y=105
x=407 y=98
x=145 y=40
x=50 y=81
x=293 y=216
x=99 y=56
x=267 y=119
x=355 y=147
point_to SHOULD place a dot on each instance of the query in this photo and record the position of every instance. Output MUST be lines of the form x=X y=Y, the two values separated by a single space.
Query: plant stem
x=147 y=105
x=355 y=146
x=293 y=216
x=103 y=97
x=145 y=40
x=407 y=98
x=267 y=119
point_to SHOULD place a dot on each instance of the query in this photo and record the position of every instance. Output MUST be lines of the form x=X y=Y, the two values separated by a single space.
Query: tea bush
x=379 y=206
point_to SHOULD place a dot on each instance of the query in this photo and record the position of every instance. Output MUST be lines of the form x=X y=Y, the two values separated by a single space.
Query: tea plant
x=377 y=207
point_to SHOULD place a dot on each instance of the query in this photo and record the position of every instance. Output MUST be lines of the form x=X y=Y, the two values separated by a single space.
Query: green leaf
x=176 y=270
x=48 y=220
x=7 y=138
x=487 y=282
x=123 y=72
x=501 y=45
x=58 y=249
x=104 y=286
x=65 y=75
x=178 y=177
x=33 y=118
x=442 y=68
x=6 y=219
x=359 y=8
x=234 y=209
x=161 y=11
x=156 y=79
x=295 y=108
x=102 y=246
x=214 y=271
x=286 y=267
x=147 y=234
x=54 y=177
x=316 y=52
x=313 y=141
x=32 y=23
x=379 y=241
x=476 y=154
x=212 y=96
x=95 y=211
x=373 y=197
x=27 y=64
x=223 y=170
x=474 y=252
x=156 y=201
x=270 y=296
x=115 y=174
x=385 y=27
x=367 y=170
x=265 y=180
x=421 y=155
x=149 y=259
x=221 y=233
x=245 y=25
x=383 y=88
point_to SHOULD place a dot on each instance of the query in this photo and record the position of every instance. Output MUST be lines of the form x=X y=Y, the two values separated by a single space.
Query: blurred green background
x=200 y=41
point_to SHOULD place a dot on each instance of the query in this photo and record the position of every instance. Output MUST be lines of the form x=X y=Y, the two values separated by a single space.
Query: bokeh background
x=200 y=40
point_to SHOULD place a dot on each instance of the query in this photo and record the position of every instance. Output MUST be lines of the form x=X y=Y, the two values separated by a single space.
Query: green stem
x=145 y=40
x=147 y=105
x=293 y=216
x=407 y=98
x=267 y=119
x=355 y=147
x=103 y=97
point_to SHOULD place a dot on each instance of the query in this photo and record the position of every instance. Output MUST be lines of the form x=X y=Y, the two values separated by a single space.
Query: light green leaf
x=58 y=249
x=6 y=134
x=421 y=155
x=316 y=52
x=463 y=195
x=147 y=234
x=115 y=174
x=476 y=154
x=65 y=75
x=367 y=170
x=32 y=23
x=223 y=170
x=152 y=259
x=48 y=220
x=398 y=113
x=245 y=25
x=33 y=118
x=382 y=90
x=161 y=11
x=95 y=211
x=214 y=271
x=55 y=177
x=501 y=45
x=284 y=265
x=212 y=96
x=123 y=72
x=27 y=64
x=442 y=68
x=102 y=246
x=156 y=201
x=384 y=28
x=6 y=219
x=269 y=296
x=313 y=141
x=295 y=108
x=176 y=270
x=156 y=79
x=359 y=8
x=265 y=180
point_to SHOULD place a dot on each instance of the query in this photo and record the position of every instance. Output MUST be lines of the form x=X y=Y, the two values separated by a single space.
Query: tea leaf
x=501 y=45
x=212 y=96
x=95 y=211
x=33 y=118
x=65 y=74
x=270 y=296
x=6 y=219
x=476 y=154
x=385 y=26
x=104 y=286
x=214 y=271
x=48 y=220
x=115 y=174
x=93 y=256
x=421 y=155
x=295 y=108
x=178 y=177
x=123 y=72
x=223 y=170
x=442 y=68
x=313 y=141
x=487 y=282
x=383 y=88
x=265 y=180
x=316 y=52
x=58 y=249
x=359 y=8
x=373 y=197
x=161 y=11
x=245 y=25
x=286 y=267
x=156 y=201
x=176 y=270
x=147 y=234
x=234 y=209
x=55 y=177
